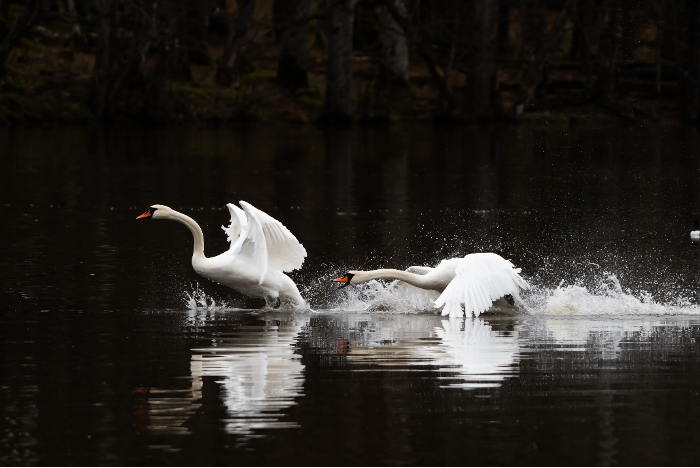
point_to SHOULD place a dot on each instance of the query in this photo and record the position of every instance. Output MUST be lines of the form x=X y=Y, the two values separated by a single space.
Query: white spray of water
x=198 y=299
x=599 y=294
x=602 y=296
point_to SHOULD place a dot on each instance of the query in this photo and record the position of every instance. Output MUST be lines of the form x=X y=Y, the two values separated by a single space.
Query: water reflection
x=485 y=356
x=608 y=337
x=468 y=353
x=257 y=374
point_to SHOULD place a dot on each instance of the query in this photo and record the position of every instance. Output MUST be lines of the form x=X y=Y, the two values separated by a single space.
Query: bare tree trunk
x=321 y=30
x=169 y=58
x=690 y=74
x=481 y=77
x=16 y=31
x=585 y=18
x=75 y=33
x=4 y=9
x=394 y=48
x=504 y=26
x=448 y=100
x=630 y=27
x=233 y=62
x=337 y=107
x=671 y=12
x=658 y=65
x=608 y=51
x=532 y=27
x=103 y=81
x=292 y=21
x=537 y=55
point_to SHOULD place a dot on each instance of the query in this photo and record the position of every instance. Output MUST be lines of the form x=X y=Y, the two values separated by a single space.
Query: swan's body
x=466 y=285
x=261 y=250
x=695 y=234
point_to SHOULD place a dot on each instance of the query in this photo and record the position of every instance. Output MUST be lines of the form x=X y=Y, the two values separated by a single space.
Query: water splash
x=605 y=295
x=587 y=291
x=600 y=295
x=198 y=299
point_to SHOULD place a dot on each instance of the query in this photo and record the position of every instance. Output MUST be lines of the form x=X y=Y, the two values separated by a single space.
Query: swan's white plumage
x=262 y=241
x=480 y=279
x=459 y=285
x=284 y=252
x=419 y=298
x=238 y=223
x=261 y=250
x=252 y=246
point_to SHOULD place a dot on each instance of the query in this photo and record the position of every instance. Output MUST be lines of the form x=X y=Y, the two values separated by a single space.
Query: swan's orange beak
x=343 y=279
x=147 y=215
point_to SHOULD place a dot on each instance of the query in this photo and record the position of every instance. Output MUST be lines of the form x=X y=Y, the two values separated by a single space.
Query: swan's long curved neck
x=419 y=281
x=194 y=228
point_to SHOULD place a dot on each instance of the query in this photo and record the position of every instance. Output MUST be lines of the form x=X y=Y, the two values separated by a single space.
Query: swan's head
x=156 y=212
x=347 y=279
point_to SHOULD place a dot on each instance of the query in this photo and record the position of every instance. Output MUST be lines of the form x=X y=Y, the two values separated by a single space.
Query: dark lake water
x=114 y=352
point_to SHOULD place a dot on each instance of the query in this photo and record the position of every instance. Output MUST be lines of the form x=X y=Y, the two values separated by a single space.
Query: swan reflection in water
x=259 y=373
x=258 y=376
x=468 y=353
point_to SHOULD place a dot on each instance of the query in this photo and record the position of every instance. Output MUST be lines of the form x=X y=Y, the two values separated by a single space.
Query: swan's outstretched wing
x=238 y=224
x=283 y=250
x=480 y=279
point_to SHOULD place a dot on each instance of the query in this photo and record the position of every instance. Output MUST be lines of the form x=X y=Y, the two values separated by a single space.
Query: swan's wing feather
x=480 y=279
x=238 y=223
x=251 y=247
x=419 y=298
x=284 y=252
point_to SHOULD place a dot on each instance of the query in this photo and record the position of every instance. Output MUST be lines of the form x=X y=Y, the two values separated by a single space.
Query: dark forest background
x=339 y=61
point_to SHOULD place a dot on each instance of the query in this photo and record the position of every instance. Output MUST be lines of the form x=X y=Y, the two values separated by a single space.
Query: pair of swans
x=262 y=250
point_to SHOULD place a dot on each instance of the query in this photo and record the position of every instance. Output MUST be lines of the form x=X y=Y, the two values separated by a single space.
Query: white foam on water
x=377 y=296
x=603 y=296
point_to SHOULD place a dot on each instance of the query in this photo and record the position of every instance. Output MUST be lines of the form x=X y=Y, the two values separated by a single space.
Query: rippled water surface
x=114 y=352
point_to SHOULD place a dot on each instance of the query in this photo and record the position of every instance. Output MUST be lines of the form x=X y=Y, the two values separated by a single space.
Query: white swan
x=695 y=234
x=472 y=282
x=262 y=249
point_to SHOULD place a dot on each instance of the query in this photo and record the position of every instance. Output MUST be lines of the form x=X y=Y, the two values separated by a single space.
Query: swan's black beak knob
x=344 y=279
